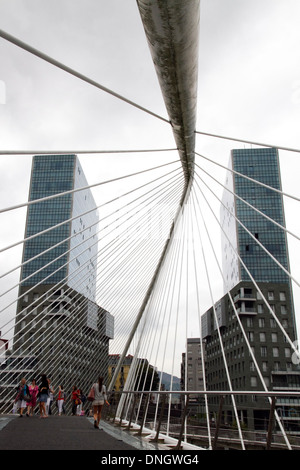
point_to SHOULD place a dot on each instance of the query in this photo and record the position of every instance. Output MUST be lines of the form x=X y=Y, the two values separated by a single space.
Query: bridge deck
x=64 y=433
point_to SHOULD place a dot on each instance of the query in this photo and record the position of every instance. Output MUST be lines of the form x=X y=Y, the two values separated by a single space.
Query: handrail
x=224 y=434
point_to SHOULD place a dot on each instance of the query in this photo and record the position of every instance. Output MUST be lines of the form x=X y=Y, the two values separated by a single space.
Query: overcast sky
x=249 y=87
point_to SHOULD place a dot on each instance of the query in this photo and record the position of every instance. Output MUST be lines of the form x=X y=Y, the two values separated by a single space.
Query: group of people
x=29 y=396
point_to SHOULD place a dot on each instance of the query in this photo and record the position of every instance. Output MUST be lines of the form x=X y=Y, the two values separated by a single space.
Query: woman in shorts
x=43 y=396
x=99 y=399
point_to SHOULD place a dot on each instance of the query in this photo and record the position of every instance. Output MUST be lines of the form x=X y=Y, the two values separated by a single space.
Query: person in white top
x=50 y=398
x=99 y=399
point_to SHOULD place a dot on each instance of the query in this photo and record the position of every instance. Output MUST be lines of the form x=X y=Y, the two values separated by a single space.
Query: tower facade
x=261 y=165
x=68 y=252
x=58 y=323
x=257 y=308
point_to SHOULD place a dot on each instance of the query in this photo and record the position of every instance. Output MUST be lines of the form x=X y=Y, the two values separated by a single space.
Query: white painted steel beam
x=172 y=31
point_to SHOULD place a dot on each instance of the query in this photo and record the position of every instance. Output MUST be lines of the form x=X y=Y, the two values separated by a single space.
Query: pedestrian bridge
x=64 y=433
x=158 y=271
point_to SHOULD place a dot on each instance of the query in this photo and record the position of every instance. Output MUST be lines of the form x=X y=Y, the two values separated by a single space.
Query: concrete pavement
x=64 y=433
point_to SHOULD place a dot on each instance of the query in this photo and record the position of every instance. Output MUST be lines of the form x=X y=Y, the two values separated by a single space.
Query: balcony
x=58 y=311
x=246 y=311
x=61 y=297
x=244 y=296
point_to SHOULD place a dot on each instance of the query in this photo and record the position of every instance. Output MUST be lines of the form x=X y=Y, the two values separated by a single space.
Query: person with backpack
x=23 y=397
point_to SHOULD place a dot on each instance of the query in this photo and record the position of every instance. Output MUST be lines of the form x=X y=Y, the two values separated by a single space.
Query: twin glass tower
x=71 y=247
x=58 y=323
x=248 y=228
x=258 y=289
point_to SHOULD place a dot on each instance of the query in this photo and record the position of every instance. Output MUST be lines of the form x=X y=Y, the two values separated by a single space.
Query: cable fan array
x=133 y=231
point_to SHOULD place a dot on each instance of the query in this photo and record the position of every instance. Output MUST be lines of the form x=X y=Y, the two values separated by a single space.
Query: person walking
x=60 y=399
x=50 y=397
x=82 y=399
x=100 y=397
x=22 y=397
x=43 y=396
x=33 y=390
x=75 y=399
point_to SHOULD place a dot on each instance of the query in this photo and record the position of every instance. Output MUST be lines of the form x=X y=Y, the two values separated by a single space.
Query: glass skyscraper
x=238 y=219
x=257 y=290
x=66 y=253
x=59 y=325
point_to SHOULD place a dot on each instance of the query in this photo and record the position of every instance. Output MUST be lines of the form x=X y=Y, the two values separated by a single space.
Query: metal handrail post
x=271 y=422
x=178 y=445
x=123 y=409
x=132 y=411
x=218 y=423
x=144 y=416
x=116 y=408
x=160 y=418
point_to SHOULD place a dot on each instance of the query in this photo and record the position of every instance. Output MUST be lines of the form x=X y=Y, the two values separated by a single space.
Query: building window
x=271 y=295
x=250 y=335
x=274 y=337
x=253 y=381
x=261 y=322
x=262 y=337
x=282 y=296
x=267 y=381
x=287 y=352
x=283 y=309
x=275 y=352
x=263 y=351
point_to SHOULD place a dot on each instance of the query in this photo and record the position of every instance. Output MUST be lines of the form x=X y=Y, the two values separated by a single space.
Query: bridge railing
x=186 y=422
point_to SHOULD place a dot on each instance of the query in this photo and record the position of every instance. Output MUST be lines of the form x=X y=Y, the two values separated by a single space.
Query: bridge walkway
x=65 y=433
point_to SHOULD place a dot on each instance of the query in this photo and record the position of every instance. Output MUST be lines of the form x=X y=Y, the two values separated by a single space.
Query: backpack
x=25 y=394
